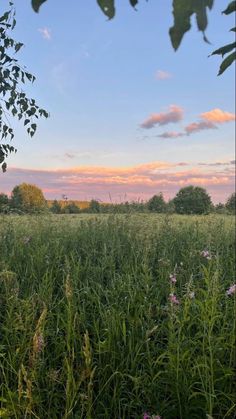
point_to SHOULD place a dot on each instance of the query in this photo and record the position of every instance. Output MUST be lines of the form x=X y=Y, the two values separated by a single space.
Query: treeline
x=27 y=198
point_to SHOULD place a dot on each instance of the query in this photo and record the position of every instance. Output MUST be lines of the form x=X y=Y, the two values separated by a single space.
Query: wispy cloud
x=162 y=75
x=218 y=116
x=175 y=114
x=46 y=33
x=171 y=134
x=141 y=181
x=218 y=163
x=199 y=126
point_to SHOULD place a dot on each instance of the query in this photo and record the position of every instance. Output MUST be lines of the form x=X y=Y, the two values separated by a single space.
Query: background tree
x=231 y=203
x=13 y=99
x=192 y=200
x=157 y=203
x=183 y=11
x=56 y=207
x=94 y=206
x=28 y=198
x=71 y=208
x=4 y=203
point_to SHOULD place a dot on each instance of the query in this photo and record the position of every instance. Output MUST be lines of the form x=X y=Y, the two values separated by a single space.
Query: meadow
x=117 y=317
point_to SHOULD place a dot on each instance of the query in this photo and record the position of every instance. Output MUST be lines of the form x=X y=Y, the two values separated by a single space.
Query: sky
x=129 y=117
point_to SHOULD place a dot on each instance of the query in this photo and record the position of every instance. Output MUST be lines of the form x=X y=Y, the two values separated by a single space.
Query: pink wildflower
x=206 y=254
x=146 y=416
x=173 y=278
x=231 y=290
x=173 y=299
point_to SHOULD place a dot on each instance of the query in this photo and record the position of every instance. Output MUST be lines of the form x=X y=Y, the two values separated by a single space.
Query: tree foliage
x=13 y=100
x=28 y=198
x=229 y=49
x=231 y=203
x=157 y=203
x=192 y=200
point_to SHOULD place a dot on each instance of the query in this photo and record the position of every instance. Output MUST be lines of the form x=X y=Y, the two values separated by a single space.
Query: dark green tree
x=192 y=200
x=56 y=207
x=94 y=206
x=28 y=198
x=231 y=203
x=4 y=203
x=157 y=204
x=71 y=208
x=13 y=100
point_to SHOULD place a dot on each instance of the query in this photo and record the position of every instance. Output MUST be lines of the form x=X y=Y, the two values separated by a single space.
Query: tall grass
x=91 y=325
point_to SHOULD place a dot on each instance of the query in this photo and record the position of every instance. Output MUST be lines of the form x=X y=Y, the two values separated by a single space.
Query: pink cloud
x=141 y=181
x=218 y=116
x=175 y=114
x=199 y=126
x=163 y=75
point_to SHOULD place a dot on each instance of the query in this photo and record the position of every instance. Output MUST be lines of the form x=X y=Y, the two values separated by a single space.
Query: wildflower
x=173 y=299
x=173 y=278
x=191 y=295
x=146 y=416
x=231 y=290
x=206 y=254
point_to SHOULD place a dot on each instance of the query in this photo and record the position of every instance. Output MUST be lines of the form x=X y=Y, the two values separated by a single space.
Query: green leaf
x=36 y=4
x=233 y=30
x=231 y=8
x=227 y=62
x=224 y=50
x=108 y=7
x=4 y=167
x=133 y=2
x=182 y=12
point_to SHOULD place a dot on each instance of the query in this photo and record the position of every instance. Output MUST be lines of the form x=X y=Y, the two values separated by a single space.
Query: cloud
x=175 y=114
x=199 y=126
x=171 y=134
x=141 y=181
x=218 y=116
x=218 y=163
x=46 y=33
x=163 y=75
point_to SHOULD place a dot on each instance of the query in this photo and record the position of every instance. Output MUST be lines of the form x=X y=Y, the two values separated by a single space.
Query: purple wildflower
x=146 y=416
x=173 y=299
x=206 y=254
x=173 y=278
x=231 y=290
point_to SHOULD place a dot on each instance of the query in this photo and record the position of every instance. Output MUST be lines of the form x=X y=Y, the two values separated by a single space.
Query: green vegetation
x=192 y=200
x=13 y=100
x=28 y=198
x=114 y=316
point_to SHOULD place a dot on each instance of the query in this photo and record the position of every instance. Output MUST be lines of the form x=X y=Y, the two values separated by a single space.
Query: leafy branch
x=13 y=100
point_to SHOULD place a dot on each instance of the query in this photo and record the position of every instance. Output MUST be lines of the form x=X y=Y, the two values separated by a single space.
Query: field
x=117 y=317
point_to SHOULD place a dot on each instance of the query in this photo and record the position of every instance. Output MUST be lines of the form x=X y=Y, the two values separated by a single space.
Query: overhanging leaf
x=36 y=4
x=133 y=2
x=108 y=7
x=227 y=62
x=182 y=12
x=224 y=50
x=231 y=8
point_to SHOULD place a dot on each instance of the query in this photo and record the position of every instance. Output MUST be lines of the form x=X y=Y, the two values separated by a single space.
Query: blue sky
x=100 y=80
